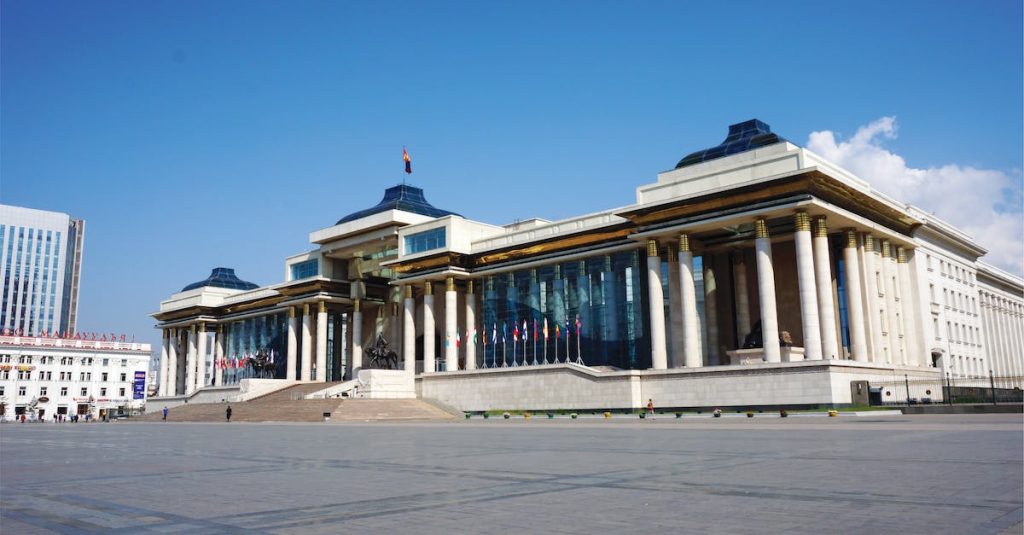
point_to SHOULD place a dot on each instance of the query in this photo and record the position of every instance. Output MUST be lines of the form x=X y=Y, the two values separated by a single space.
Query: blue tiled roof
x=222 y=278
x=742 y=137
x=402 y=197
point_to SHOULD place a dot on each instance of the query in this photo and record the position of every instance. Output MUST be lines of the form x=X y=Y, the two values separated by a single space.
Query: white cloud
x=984 y=203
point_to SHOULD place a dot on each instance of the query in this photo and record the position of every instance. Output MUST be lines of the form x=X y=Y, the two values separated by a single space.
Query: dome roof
x=402 y=197
x=742 y=137
x=222 y=278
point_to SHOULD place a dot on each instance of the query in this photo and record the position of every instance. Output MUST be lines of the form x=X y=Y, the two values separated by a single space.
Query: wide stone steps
x=287 y=405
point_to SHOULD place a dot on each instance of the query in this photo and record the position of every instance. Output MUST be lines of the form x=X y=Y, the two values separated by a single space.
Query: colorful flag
x=408 y=161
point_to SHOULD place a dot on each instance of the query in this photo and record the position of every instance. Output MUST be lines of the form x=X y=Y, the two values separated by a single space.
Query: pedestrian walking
x=228 y=413
x=165 y=413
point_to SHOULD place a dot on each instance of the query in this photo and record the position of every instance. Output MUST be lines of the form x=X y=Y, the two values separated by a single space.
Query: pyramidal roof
x=402 y=197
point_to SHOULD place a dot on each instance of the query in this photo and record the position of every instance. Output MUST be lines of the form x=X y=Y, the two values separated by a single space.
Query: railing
x=947 y=390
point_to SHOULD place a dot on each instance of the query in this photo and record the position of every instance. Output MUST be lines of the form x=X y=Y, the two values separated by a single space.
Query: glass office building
x=41 y=258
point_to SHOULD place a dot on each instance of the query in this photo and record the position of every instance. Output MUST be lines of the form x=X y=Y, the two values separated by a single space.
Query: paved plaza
x=902 y=474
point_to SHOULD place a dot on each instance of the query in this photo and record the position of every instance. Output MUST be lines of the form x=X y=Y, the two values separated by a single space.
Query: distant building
x=40 y=377
x=41 y=257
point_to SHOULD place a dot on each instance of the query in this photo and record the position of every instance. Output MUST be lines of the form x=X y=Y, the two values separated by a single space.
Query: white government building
x=754 y=273
x=44 y=376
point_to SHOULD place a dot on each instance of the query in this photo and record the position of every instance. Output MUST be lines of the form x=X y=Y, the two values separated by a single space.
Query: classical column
x=688 y=306
x=470 y=342
x=808 y=289
x=307 y=343
x=293 y=343
x=711 y=310
x=172 y=362
x=218 y=356
x=190 y=362
x=428 y=328
x=874 y=312
x=823 y=279
x=854 y=299
x=201 y=356
x=766 y=289
x=907 y=308
x=659 y=358
x=675 y=309
x=164 y=362
x=356 y=347
x=739 y=276
x=409 y=334
x=451 y=325
x=321 y=342
x=889 y=284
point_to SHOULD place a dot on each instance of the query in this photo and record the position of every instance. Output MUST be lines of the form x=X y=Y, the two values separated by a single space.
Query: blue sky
x=194 y=134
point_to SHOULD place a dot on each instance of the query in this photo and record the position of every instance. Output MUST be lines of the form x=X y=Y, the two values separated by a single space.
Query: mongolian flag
x=408 y=161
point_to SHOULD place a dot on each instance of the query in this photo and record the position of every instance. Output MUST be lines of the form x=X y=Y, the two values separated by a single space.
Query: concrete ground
x=894 y=474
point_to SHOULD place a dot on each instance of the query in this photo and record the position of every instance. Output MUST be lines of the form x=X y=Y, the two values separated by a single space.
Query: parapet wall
x=572 y=387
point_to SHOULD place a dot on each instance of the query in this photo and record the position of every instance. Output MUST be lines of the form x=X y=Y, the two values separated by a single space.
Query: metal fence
x=948 y=390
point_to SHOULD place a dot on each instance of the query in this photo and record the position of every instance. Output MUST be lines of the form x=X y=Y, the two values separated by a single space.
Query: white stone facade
x=67 y=376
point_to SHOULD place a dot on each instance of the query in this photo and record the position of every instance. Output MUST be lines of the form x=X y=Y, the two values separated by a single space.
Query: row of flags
x=66 y=335
x=242 y=361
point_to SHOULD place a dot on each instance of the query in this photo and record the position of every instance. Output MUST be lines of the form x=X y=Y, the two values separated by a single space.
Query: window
x=85 y=392
x=63 y=391
x=42 y=391
x=425 y=241
x=22 y=391
x=306 y=269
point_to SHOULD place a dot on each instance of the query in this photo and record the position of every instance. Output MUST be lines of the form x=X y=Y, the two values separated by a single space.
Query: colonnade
x=1003 y=319
x=882 y=320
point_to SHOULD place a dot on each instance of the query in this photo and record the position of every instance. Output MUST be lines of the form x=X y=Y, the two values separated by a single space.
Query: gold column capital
x=428 y=288
x=901 y=255
x=449 y=284
x=469 y=287
x=851 y=238
x=761 y=228
x=652 y=248
x=820 y=227
x=802 y=221
x=684 y=243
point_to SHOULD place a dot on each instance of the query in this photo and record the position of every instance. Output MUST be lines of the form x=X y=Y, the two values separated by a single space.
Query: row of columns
x=888 y=293
x=1003 y=319
x=195 y=350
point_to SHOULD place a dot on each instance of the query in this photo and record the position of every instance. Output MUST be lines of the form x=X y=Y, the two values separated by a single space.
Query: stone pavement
x=919 y=474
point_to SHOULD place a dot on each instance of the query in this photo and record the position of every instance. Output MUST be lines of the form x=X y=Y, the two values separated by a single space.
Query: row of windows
x=44 y=391
x=26 y=375
x=64 y=361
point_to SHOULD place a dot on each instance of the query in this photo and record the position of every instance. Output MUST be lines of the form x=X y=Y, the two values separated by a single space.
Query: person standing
x=228 y=413
x=165 y=413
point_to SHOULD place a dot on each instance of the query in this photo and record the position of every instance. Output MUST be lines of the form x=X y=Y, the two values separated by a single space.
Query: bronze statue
x=381 y=357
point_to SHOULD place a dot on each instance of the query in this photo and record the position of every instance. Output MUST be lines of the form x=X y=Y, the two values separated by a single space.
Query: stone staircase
x=288 y=405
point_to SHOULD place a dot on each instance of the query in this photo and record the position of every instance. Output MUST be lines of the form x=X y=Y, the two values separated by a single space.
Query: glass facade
x=605 y=296
x=425 y=241
x=304 y=270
